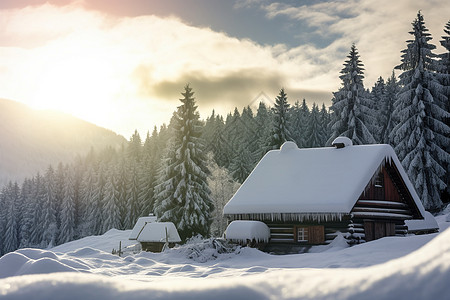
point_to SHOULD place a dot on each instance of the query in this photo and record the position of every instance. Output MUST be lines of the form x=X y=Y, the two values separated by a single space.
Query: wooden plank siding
x=383 y=214
x=317 y=234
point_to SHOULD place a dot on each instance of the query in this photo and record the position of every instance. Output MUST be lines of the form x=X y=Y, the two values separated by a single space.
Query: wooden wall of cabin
x=383 y=188
x=319 y=233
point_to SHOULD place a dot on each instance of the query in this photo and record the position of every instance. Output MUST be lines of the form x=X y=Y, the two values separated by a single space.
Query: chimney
x=342 y=142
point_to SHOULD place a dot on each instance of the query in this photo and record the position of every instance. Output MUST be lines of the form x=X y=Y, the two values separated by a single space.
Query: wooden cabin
x=306 y=196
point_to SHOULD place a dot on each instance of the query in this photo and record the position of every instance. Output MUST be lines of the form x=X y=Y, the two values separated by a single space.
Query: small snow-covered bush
x=201 y=250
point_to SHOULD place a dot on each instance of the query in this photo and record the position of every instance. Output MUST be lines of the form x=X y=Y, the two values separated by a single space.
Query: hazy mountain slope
x=30 y=139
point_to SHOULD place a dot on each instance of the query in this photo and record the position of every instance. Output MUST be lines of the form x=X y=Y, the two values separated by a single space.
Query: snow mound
x=423 y=274
x=10 y=262
x=44 y=266
x=241 y=231
x=428 y=223
x=37 y=253
x=25 y=262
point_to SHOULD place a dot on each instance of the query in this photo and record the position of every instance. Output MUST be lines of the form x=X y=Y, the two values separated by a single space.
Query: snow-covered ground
x=413 y=267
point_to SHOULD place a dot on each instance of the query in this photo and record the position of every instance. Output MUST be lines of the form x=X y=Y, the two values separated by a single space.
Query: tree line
x=186 y=171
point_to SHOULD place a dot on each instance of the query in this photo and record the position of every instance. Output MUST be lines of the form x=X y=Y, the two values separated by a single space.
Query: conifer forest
x=186 y=170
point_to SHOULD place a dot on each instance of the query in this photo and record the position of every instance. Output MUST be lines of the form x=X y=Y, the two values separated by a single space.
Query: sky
x=123 y=64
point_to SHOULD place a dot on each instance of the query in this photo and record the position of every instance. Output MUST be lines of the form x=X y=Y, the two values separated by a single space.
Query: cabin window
x=302 y=234
x=379 y=187
x=310 y=234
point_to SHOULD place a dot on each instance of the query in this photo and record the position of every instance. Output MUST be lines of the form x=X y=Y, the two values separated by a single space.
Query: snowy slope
x=31 y=140
x=415 y=267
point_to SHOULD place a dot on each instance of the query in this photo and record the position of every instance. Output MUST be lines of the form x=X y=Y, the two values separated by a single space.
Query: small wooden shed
x=155 y=236
x=307 y=196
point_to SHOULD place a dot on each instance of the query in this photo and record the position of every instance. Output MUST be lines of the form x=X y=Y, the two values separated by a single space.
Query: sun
x=80 y=83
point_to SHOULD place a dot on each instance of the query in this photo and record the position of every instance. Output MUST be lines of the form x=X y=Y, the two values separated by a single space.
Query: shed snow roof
x=314 y=180
x=156 y=232
x=139 y=225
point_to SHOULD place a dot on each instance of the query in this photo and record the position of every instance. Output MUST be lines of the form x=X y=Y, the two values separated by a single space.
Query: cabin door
x=377 y=229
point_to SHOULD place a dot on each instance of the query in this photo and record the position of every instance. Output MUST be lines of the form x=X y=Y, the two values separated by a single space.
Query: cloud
x=378 y=27
x=128 y=72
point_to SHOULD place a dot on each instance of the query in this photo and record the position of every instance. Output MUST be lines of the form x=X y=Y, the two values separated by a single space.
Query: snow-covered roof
x=314 y=180
x=426 y=224
x=243 y=230
x=139 y=225
x=156 y=232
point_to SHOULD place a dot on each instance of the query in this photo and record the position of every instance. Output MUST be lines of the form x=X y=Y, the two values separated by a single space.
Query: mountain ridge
x=31 y=140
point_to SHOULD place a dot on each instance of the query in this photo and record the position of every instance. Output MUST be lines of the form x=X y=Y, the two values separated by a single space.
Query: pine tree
x=421 y=131
x=183 y=195
x=314 y=133
x=50 y=227
x=263 y=122
x=133 y=195
x=280 y=132
x=26 y=223
x=387 y=109
x=135 y=147
x=94 y=216
x=241 y=166
x=378 y=94
x=11 y=238
x=325 y=120
x=353 y=115
x=68 y=211
x=300 y=118
x=87 y=194
x=111 y=214
x=444 y=75
x=3 y=214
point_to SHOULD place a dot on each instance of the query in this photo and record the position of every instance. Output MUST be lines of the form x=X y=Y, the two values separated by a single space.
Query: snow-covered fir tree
x=315 y=133
x=38 y=198
x=444 y=70
x=352 y=107
x=378 y=94
x=263 y=122
x=325 y=120
x=11 y=230
x=280 y=131
x=67 y=230
x=50 y=234
x=421 y=133
x=26 y=193
x=388 y=120
x=183 y=195
x=111 y=213
x=241 y=165
x=300 y=118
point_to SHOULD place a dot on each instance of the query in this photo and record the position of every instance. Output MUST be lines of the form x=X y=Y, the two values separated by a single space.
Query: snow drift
x=423 y=274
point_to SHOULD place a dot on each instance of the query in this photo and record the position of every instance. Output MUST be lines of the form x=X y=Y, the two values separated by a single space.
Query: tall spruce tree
x=280 y=132
x=183 y=195
x=378 y=94
x=314 y=133
x=11 y=237
x=444 y=70
x=389 y=120
x=352 y=107
x=50 y=234
x=421 y=132
x=68 y=210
